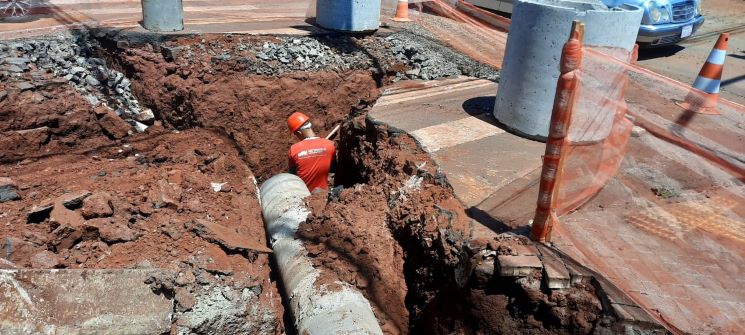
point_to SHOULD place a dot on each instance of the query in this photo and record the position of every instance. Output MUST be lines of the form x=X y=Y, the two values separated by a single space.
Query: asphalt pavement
x=683 y=61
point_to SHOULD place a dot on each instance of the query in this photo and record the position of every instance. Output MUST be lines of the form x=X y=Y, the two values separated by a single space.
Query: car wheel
x=14 y=8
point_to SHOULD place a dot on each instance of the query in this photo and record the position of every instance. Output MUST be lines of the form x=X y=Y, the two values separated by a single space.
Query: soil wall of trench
x=95 y=192
x=398 y=233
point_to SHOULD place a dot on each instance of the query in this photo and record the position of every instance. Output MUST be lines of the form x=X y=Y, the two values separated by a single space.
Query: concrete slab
x=556 y=275
x=452 y=120
x=445 y=135
x=82 y=301
x=410 y=106
x=518 y=266
x=479 y=168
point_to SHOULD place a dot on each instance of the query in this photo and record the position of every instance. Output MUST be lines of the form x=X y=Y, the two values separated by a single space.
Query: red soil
x=55 y=119
x=362 y=236
x=250 y=109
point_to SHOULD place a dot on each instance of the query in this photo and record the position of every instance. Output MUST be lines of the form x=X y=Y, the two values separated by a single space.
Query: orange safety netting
x=653 y=195
x=614 y=98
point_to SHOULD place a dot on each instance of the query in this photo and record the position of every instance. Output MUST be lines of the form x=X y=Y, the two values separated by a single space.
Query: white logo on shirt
x=311 y=152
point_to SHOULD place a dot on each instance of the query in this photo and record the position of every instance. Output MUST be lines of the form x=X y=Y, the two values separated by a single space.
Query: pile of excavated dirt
x=184 y=201
x=392 y=232
x=99 y=210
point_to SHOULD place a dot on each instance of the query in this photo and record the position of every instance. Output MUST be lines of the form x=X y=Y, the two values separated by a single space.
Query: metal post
x=557 y=142
x=162 y=15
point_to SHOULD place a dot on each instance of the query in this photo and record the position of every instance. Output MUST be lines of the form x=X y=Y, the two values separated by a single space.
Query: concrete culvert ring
x=139 y=157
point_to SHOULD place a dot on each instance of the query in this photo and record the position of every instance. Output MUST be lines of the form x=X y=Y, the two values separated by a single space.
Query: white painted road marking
x=446 y=135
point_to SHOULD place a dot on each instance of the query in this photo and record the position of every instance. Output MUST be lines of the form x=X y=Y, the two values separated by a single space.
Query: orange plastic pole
x=557 y=142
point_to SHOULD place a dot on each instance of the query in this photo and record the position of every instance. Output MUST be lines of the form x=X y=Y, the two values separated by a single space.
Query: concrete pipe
x=531 y=65
x=348 y=15
x=317 y=309
x=162 y=15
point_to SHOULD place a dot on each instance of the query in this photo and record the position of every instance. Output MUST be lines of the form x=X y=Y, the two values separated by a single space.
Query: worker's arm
x=291 y=164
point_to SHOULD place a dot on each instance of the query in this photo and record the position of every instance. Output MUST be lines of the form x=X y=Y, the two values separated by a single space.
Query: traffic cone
x=402 y=11
x=704 y=96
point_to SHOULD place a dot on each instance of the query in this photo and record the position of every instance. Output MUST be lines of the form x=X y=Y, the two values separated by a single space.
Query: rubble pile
x=428 y=60
x=309 y=53
x=69 y=57
x=421 y=57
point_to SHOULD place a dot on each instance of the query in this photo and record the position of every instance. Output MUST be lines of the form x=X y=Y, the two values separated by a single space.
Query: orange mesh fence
x=651 y=194
x=475 y=32
x=623 y=112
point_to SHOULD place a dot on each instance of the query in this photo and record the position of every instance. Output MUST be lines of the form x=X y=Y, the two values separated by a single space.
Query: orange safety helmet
x=296 y=120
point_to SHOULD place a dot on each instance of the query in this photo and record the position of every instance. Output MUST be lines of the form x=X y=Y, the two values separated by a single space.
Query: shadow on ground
x=658 y=52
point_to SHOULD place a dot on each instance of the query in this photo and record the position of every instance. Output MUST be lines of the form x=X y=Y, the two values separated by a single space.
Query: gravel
x=69 y=57
x=422 y=55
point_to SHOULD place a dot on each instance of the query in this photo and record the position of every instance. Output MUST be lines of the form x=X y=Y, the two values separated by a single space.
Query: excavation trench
x=165 y=175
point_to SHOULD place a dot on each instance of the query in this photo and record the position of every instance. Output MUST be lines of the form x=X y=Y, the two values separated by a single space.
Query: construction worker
x=311 y=158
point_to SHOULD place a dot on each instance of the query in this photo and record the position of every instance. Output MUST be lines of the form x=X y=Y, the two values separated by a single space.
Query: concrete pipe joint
x=317 y=310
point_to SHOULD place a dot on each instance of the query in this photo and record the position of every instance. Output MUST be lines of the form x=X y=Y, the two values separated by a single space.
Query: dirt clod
x=44 y=260
x=97 y=205
x=113 y=126
x=165 y=194
x=231 y=239
x=61 y=216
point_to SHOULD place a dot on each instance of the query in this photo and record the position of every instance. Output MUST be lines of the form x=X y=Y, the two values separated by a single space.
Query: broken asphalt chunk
x=8 y=190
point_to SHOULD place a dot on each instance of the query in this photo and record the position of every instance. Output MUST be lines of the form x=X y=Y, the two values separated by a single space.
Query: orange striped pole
x=557 y=142
x=704 y=96
x=402 y=11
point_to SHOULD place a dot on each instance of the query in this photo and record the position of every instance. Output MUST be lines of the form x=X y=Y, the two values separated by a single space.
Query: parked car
x=664 y=22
